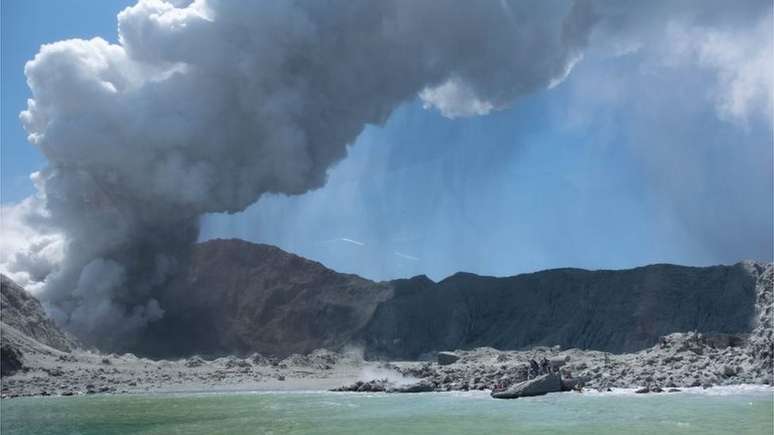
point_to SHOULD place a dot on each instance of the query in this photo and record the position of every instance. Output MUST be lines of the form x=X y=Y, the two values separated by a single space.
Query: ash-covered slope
x=22 y=312
x=241 y=297
x=616 y=311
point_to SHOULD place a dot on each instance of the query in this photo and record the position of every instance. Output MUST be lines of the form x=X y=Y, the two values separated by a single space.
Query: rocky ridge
x=613 y=311
x=24 y=313
x=238 y=297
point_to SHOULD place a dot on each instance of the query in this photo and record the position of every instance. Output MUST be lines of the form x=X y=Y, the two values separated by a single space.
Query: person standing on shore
x=545 y=366
x=534 y=369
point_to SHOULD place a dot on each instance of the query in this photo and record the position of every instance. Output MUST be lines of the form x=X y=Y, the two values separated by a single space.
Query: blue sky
x=622 y=164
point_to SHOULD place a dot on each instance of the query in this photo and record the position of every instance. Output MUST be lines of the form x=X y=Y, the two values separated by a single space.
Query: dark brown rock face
x=241 y=297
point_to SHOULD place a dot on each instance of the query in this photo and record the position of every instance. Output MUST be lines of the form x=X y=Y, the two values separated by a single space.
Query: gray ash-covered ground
x=680 y=360
x=53 y=372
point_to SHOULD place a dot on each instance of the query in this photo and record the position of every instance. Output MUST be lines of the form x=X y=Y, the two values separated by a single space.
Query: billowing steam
x=205 y=106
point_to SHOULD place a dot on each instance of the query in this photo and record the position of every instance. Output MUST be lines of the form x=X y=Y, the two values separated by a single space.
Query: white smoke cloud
x=741 y=58
x=733 y=41
x=29 y=249
x=636 y=92
x=204 y=106
x=454 y=99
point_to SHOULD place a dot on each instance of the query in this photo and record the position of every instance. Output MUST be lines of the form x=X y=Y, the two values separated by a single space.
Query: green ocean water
x=737 y=411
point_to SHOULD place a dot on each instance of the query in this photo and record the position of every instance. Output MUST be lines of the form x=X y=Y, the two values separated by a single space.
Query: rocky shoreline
x=55 y=373
x=681 y=360
x=38 y=360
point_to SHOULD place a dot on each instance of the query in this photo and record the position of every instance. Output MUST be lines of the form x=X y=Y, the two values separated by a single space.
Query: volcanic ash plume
x=203 y=107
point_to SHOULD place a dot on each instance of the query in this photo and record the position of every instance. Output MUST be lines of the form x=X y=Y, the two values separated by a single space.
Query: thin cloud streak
x=406 y=256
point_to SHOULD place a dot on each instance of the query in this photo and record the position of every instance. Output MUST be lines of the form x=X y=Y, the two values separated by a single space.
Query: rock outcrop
x=387 y=386
x=761 y=340
x=372 y=386
x=10 y=360
x=24 y=313
x=26 y=331
x=446 y=358
x=540 y=385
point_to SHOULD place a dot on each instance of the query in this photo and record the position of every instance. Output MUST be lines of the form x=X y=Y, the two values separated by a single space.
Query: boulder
x=419 y=387
x=194 y=361
x=569 y=384
x=446 y=358
x=10 y=360
x=649 y=389
x=260 y=360
x=384 y=385
x=353 y=387
x=723 y=341
x=557 y=363
x=729 y=371
x=233 y=362
x=549 y=383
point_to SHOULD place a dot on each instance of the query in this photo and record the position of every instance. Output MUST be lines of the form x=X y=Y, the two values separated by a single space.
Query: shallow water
x=716 y=411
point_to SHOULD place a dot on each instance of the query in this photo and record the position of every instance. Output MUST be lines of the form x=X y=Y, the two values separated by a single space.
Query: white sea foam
x=730 y=390
x=722 y=390
x=374 y=372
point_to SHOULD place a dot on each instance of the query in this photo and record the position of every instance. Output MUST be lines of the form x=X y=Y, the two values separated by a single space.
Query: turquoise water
x=741 y=411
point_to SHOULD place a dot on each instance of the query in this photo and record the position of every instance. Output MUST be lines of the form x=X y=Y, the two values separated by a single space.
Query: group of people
x=542 y=368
